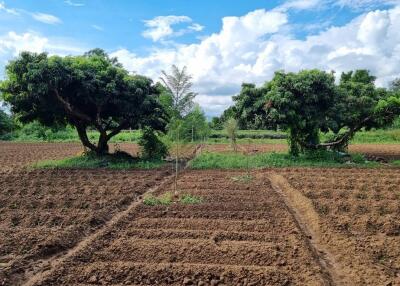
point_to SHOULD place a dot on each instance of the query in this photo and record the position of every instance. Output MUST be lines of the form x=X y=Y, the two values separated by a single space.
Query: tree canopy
x=178 y=86
x=86 y=91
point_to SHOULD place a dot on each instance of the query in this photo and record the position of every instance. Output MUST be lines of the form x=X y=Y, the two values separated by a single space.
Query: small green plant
x=188 y=199
x=164 y=199
x=231 y=128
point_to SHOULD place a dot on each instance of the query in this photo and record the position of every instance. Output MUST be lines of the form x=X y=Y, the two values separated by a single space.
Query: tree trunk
x=102 y=145
x=101 y=148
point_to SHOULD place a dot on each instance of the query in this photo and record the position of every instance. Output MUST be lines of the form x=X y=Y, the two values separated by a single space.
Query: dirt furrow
x=307 y=221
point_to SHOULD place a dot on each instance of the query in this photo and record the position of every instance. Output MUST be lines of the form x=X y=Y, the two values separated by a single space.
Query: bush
x=151 y=146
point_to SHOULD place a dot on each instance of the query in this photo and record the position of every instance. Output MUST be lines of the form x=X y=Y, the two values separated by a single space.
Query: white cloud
x=160 y=27
x=98 y=28
x=252 y=47
x=75 y=4
x=8 y=10
x=299 y=5
x=46 y=18
x=365 y=4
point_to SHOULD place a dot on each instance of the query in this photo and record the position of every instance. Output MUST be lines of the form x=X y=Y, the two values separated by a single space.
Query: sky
x=221 y=42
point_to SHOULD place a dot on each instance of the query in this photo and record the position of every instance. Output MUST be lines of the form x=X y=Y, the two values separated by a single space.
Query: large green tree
x=300 y=102
x=87 y=91
x=249 y=107
x=309 y=102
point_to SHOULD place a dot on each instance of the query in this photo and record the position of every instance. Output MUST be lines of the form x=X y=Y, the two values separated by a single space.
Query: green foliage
x=192 y=127
x=151 y=146
x=188 y=199
x=309 y=103
x=237 y=160
x=178 y=86
x=301 y=102
x=91 y=91
x=91 y=160
x=249 y=107
x=6 y=123
x=231 y=128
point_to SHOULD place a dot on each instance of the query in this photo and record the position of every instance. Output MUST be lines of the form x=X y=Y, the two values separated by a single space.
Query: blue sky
x=221 y=42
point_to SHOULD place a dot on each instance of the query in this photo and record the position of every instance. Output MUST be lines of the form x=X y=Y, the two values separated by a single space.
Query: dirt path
x=308 y=222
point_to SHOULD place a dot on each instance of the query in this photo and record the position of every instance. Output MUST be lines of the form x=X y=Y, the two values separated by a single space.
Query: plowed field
x=43 y=213
x=241 y=234
x=357 y=216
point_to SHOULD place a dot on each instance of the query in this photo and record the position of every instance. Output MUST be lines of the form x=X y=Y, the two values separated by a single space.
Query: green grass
x=239 y=161
x=94 y=162
x=396 y=163
x=167 y=199
x=164 y=199
x=190 y=199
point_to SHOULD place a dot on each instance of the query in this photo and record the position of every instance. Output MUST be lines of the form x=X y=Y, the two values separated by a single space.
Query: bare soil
x=358 y=219
x=20 y=155
x=43 y=213
x=240 y=235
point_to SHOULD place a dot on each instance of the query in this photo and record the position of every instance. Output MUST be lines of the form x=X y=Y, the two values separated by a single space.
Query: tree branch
x=69 y=109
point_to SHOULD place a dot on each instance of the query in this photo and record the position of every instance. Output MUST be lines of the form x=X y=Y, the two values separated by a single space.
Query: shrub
x=151 y=146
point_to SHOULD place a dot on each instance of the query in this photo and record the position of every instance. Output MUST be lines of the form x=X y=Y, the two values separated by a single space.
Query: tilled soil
x=373 y=151
x=241 y=234
x=43 y=213
x=20 y=155
x=358 y=215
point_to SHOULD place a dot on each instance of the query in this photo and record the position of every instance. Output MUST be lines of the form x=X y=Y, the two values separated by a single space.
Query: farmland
x=280 y=226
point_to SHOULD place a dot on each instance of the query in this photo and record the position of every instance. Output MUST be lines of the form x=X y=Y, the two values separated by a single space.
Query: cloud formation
x=252 y=47
x=46 y=18
x=161 y=28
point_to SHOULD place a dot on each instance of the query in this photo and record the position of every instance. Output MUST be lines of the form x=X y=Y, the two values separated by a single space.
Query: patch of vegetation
x=209 y=160
x=396 y=163
x=168 y=198
x=119 y=160
x=188 y=199
x=164 y=199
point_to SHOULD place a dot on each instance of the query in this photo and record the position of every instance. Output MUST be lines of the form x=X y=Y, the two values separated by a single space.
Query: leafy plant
x=151 y=146
x=188 y=199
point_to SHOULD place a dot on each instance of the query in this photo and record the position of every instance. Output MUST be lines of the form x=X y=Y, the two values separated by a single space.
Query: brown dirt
x=239 y=235
x=19 y=155
x=43 y=213
x=385 y=151
x=358 y=219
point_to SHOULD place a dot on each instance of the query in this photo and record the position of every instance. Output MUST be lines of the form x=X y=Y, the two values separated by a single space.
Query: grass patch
x=167 y=199
x=164 y=200
x=190 y=199
x=90 y=161
x=396 y=163
x=236 y=160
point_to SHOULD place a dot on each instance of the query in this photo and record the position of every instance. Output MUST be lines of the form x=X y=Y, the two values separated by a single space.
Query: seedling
x=190 y=199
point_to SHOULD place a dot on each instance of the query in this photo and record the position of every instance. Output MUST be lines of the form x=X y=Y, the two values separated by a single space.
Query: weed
x=164 y=199
x=188 y=199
